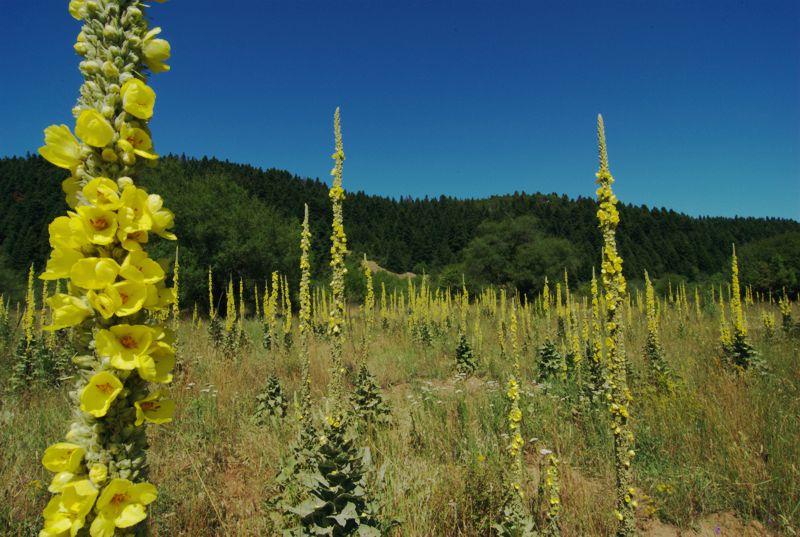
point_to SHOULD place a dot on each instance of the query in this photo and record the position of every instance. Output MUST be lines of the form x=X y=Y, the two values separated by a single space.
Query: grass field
x=720 y=443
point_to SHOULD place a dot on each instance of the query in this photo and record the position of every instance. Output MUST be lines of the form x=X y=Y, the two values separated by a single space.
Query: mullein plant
x=465 y=357
x=737 y=351
x=550 y=359
x=214 y=322
x=516 y=519
x=595 y=387
x=368 y=403
x=619 y=395
x=337 y=502
x=660 y=373
x=271 y=402
x=100 y=480
x=784 y=305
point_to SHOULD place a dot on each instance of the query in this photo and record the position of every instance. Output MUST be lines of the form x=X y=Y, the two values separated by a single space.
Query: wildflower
x=63 y=457
x=60 y=263
x=157 y=364
x=94 y=129
x=136 y=141
x=98 y=473
x=100 y=225
x=61 y=147
x=123 y=344
x=138 y=99
x=97 y=396
x=156 y=51
x=121 y=505
x=67 y=511
x=67 y=310
x=103 y=193
x=94 y=272
x=154 y=409
x=138 y=267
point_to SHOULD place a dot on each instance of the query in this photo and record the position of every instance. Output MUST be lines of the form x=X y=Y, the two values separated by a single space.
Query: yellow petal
x=99 y=393
x=94 y=129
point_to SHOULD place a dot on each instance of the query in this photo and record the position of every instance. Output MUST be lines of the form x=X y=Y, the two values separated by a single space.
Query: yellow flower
x=59 y=481
x=156 y=366
x=132 y=296
x=121 y=505
x=99 y=393
x=71 y=186
x=124 y=344
x=100 y=225
x=67 y=232
x=137 y=267
x=94 y=129
x=159 y=296
x=162 y=218
x=63 y=457
x=138 y=99
x=61 y=147
x=107 y=302
x=134 y=214
x=67 y=310
x=137 y=141
x=156 y=51
x=67 y=511
x=154 y=409
x=94 y=272
x=103 y=193
x=60 y=263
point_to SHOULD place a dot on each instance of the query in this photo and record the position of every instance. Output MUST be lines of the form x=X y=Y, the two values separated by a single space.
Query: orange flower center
x=149 y=405
x=99 y=224
x=105 y=388
x=128 y=342
x=119 y=498
x=124 y=297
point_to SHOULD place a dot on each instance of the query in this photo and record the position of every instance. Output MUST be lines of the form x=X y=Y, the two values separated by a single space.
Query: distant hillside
x=245 y=222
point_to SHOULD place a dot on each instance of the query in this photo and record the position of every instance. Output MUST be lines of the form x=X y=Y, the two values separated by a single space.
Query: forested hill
x=245 y=222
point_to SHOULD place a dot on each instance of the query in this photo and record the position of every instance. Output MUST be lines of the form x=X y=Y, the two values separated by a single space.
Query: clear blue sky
x=701 y=99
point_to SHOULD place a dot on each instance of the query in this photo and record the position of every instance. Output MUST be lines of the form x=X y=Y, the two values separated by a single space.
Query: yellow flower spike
x=67 y=310
x=121 y=505
x=103 y=193
x=60 y=263
x=94 y=272
x=107 y=302
x=163 y=219
x=61 y=147
x=94 y=129
x=156 y=366
x=100 y=225
x=138 y=99
x=132 y=296
x=138 y=267
x=97 y=396
x=156 y=51
x=63 y=457
x=154 y=409
x=124 y=344
x=134 y=214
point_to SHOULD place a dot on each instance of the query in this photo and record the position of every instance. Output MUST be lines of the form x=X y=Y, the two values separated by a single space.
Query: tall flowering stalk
x=115 y=288
x=736 y=348
x=338 y=270
x=653 y=352
x=305 y=317
x=620 y=396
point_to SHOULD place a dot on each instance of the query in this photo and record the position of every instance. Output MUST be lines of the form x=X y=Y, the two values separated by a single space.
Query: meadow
x=718 y=442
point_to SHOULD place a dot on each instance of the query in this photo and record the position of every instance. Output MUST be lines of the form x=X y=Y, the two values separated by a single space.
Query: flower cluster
x=114 y=289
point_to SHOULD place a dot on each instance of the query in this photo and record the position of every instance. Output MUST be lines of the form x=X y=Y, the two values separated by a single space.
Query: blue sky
x=701 y=99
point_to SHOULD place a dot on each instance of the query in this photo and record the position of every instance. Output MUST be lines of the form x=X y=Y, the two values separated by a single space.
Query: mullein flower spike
x=115 y=289
x=619 y=395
